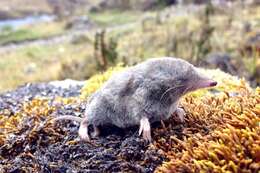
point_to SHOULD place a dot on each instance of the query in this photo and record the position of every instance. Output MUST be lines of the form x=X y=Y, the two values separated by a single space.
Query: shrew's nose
x=214 y=83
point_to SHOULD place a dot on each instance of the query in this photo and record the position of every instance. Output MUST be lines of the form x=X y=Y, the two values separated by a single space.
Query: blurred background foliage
x=58 y=39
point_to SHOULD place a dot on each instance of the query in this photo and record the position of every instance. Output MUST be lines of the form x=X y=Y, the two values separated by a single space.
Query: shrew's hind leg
x=145 y=129
x=96 y=132
x=83 y=130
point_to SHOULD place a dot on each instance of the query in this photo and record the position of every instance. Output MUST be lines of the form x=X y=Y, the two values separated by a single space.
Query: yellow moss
x=37 y=108
x=232 y=144
x=67 y=100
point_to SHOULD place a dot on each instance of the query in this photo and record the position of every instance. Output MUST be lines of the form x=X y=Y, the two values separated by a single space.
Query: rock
x=67 y=83
x=11 y=101
x=79 y=22
x=222 y=61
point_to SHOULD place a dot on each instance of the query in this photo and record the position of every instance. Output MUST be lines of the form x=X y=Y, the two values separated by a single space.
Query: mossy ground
x=220 y=134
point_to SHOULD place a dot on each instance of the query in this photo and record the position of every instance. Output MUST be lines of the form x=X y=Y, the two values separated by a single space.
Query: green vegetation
x=39 y=31
x=49 y=29
x=17 y=36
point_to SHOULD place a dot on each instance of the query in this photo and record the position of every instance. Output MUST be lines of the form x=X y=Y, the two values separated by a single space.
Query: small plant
x=104 y=52
x=203 y=43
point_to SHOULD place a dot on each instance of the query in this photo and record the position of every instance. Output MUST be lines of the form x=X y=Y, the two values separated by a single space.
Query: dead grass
x=37 y=63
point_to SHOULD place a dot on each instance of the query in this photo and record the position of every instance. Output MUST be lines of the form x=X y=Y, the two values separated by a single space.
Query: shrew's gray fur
x=139 y=91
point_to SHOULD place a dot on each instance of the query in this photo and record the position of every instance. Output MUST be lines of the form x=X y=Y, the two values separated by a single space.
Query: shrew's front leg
x=180 y=114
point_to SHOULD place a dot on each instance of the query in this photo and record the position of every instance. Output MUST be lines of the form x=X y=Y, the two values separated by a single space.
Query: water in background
x=14 y=23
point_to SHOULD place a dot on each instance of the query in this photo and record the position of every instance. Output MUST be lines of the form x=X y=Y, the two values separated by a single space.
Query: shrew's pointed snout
x=205 y=83
x=208 y=83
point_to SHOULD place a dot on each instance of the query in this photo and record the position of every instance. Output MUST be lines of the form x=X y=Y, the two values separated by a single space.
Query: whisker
x=188 y=88
x=169 y=90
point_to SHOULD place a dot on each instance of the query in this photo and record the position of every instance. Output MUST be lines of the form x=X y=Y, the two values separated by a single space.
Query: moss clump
x=221 y=134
